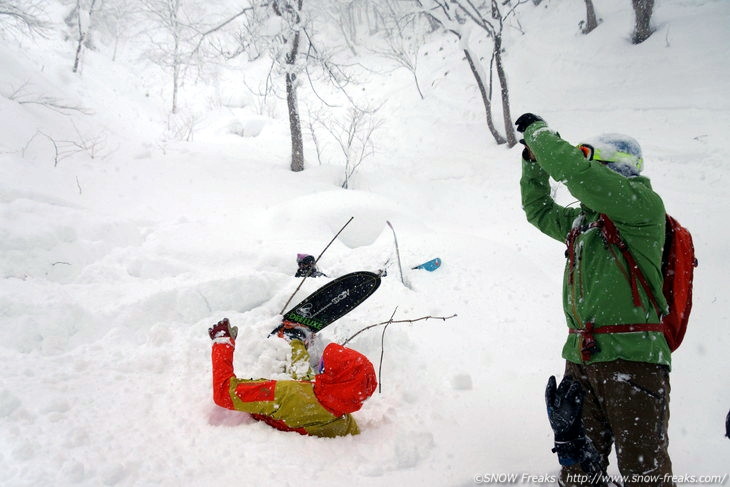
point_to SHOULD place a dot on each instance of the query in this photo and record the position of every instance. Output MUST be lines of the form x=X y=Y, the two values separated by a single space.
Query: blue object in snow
x=431 y=265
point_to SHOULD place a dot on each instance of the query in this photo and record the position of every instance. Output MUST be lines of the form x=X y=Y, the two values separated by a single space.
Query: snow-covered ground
x=113 y=267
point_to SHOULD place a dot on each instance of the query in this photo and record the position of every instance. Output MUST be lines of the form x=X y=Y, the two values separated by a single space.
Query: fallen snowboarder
x=317 y=404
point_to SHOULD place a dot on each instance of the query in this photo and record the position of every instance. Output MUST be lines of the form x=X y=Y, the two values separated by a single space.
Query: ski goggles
x=588 y=151
x=593 y=154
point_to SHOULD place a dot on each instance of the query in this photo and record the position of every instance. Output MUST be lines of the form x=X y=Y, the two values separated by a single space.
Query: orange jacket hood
x=347 y=380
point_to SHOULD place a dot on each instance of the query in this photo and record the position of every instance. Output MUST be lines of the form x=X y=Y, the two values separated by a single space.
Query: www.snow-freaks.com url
x=529 y=478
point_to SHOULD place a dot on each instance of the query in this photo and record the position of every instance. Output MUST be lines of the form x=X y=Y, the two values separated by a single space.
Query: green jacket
x=596 y=289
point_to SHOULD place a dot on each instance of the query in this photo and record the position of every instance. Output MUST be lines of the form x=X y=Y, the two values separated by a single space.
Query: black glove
x=527 y=153
x=727 y=425
x=223 y=329
x=565 y=409
x=527 y=119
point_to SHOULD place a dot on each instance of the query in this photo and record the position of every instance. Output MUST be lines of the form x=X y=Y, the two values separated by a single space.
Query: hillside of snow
x=120 y=245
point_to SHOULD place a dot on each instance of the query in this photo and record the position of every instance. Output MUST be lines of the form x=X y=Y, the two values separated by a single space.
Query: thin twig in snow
x=443 y=318
x=382 y=352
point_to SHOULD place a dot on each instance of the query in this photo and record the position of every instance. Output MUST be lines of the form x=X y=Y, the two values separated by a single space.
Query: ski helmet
x=619 y=152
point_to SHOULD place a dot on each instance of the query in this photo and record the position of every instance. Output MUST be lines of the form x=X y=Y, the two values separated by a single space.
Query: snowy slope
x=113 y=267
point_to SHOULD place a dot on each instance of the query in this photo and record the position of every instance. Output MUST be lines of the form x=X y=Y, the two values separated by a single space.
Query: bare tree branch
x=382 y=351
x=218 y=27
x=443 y=318
x=353 y=136
x=330 y=69
x=21 y=96
x=55 y=146
x=26 y=16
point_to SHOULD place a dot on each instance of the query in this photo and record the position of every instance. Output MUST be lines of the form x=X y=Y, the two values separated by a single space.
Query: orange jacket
x=319 y=408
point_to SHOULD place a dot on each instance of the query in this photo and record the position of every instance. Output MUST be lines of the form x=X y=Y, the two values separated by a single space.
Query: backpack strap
x=589 y=346
x=570 y=254
x=570 y=251
x=612 y=236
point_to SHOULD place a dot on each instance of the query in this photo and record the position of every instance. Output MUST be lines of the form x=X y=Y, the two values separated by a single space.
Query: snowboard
x=333 y=300
x=430 y=266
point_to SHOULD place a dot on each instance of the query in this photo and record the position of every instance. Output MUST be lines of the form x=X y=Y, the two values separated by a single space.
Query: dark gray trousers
x=626 y=403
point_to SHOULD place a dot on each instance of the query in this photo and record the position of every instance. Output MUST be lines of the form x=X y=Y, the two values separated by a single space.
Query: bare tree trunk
x=418 y=86
x=175 y=84
x=84 y=32
x=642 y=27
x=508 y=127
x=116 y=47
x=295 y=125
x=82 y=36
x=378 y=22
x=470 y=10
x=485 y=98
x=348 y=27
x=433 y=23
x=591 y=20
x=176 y=53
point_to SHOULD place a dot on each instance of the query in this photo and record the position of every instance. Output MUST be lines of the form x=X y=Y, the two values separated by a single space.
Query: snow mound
x=324 y=213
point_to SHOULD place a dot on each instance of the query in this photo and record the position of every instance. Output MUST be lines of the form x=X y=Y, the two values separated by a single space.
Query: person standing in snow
x=624 y=375
x=317 y=405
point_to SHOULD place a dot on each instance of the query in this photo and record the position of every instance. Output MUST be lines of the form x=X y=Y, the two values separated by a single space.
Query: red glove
x=223 y=329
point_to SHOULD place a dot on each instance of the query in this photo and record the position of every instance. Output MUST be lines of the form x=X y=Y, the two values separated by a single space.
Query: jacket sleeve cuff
x=225 y=340
x=533 y=130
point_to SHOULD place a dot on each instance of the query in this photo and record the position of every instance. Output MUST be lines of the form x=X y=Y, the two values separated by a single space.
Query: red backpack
x=678 y=263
